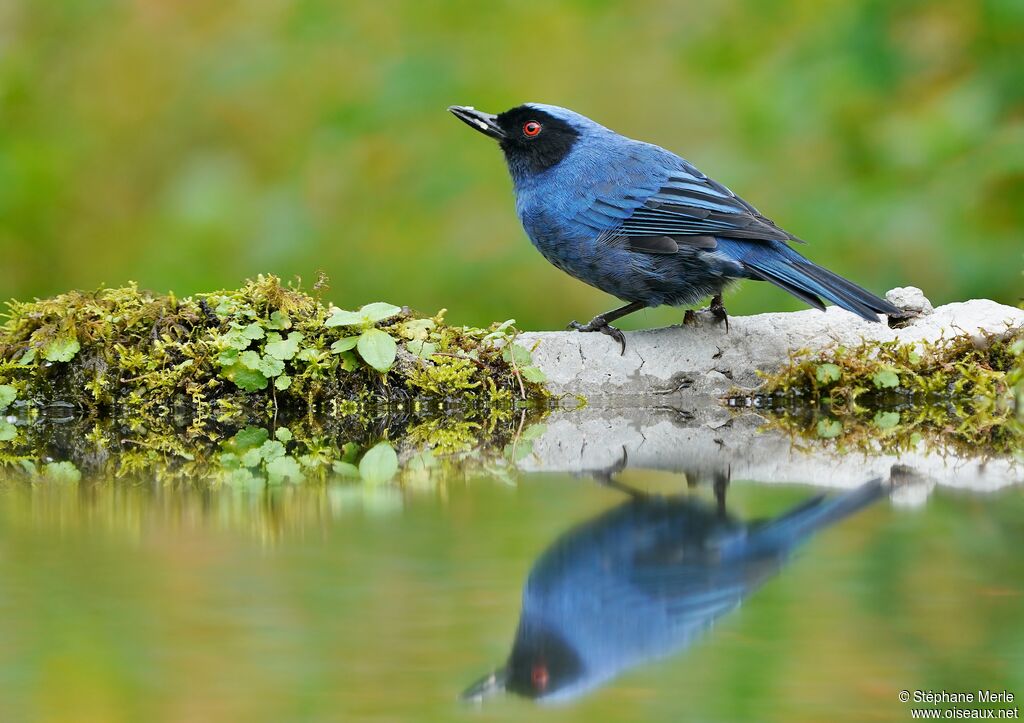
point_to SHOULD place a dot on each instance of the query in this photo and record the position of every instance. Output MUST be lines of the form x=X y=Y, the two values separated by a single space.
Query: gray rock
x=713 y=444
x=911 y=299
x=703 y=361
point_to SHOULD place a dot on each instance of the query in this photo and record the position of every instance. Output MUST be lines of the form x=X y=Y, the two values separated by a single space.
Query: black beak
x=486 y=687
x=486 y=123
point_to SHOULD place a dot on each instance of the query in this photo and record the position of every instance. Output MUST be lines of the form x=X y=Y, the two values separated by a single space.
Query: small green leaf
x=271 y=450
x=251 y=457
x=27 y=358
x=249 y=437
x=283 y=434
x=65 y=472
x=533 y=374
x=279 y=320
x=379 y=464
x=7 y=431
x=345 y=469
x=887 y=420
x=282 y=382
x=377 y=349
x=886 y=378
x=349 y=342
x=340 y=317
x=827 y=373
x=422 y=349
x=416 y=328
x=246 y=379
x=366 y=316
x=225 y=307
x=348 y=360
x=286 y=467
x=284 y=349
x=829 y=428
x=513 y=353
x=7 y=395
x=236 y=339
x=270 y=366
x=244 y=478
x=249 y=359
x=379 y=311
x=253 y=331
x=61 y=350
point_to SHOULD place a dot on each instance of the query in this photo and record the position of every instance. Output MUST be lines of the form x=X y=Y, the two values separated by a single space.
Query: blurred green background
x=190 y=144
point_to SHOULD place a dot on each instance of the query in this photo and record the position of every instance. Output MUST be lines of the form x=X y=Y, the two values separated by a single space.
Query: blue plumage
x=643 y=224
x=643 y=581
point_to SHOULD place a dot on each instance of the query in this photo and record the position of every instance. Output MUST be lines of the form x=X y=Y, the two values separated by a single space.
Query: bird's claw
x=717 y=311
x=598 y=323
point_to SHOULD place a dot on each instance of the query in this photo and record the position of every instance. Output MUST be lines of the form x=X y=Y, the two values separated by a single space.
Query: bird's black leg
x=604 y=477
x=717 y=310
x=721 y=484
x=602 y=322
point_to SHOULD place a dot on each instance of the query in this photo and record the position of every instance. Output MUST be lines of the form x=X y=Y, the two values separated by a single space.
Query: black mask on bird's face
x=541 y=664
x=532 y=139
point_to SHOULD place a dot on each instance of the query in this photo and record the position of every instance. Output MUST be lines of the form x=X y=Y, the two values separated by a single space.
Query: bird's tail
x=787 y=269
x=818 y=512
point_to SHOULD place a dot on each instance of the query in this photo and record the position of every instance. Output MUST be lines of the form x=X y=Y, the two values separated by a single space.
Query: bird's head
x=543 y=666
x=534 y=137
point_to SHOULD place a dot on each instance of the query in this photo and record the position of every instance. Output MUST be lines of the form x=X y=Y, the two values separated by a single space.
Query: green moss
x=130 y=353
x=172 y=388
x=891 y=397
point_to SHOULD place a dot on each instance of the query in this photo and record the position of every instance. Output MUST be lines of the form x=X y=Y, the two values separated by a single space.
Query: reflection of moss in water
x=954 y=394
x=412 y=448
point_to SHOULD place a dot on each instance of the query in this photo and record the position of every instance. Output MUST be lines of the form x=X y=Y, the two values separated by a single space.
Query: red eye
x=539 y=674
x=531 y=128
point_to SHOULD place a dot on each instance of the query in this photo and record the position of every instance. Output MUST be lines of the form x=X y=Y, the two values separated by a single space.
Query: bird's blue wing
x=676 y=205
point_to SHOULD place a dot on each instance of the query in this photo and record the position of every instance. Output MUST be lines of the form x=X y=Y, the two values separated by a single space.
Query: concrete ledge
x=704 y=361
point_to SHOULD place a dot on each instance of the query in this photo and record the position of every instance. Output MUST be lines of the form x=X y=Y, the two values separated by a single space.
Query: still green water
x=125 y=602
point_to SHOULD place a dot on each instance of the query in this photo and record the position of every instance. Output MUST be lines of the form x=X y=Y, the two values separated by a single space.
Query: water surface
x=121 y=600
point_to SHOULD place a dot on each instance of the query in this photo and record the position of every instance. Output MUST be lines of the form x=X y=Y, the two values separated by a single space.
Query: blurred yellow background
x=190 y=144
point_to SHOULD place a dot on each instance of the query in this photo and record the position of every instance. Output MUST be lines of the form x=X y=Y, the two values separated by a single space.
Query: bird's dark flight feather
x=687 y=204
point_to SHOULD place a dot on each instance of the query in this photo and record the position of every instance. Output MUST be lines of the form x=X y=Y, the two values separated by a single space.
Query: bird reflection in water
x=643 y=581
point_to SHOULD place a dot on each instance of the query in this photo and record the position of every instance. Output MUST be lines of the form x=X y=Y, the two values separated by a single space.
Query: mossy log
x=261 y=349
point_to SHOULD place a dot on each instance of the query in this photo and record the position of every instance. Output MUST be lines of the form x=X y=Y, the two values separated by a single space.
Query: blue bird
x=643 y=581
x=644 y=225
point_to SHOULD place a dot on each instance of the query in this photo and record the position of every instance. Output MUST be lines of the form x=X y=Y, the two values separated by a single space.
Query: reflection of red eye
x=531 y=128
x=539 y=674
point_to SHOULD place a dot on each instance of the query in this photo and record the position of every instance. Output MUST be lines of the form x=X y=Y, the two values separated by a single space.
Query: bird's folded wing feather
x=683 y=208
